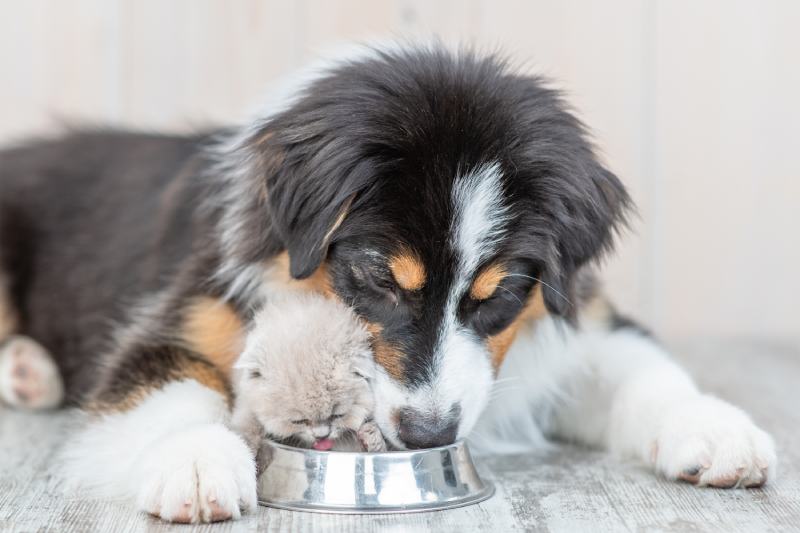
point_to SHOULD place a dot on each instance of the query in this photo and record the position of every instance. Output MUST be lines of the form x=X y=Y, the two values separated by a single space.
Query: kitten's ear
x=363 y=366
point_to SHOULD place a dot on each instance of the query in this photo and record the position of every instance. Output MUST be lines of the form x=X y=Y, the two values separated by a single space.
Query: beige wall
x=694 y=103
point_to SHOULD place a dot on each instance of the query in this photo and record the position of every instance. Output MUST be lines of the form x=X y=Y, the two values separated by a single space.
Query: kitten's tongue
x=323 y=445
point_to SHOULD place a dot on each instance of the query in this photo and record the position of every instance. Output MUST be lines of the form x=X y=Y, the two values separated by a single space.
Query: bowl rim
x=460 y=443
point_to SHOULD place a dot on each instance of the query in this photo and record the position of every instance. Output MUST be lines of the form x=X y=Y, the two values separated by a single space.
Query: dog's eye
x=385 y=288
x=302 y=422
x=493 y=314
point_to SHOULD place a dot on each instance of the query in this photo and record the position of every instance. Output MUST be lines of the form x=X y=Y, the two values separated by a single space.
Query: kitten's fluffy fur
x=304 y=376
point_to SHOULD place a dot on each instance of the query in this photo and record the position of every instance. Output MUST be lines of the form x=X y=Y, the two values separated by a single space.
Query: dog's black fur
x=88 y=225
x=393 y=133
x=93 y=222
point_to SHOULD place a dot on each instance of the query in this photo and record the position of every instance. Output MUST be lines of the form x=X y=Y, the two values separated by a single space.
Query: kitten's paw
x=29 y=378
x=201 y=474
x=708 y=442
x=371 y=437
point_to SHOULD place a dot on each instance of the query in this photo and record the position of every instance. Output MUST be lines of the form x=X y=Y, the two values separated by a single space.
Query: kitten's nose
x=321 y=431
x=421 y=430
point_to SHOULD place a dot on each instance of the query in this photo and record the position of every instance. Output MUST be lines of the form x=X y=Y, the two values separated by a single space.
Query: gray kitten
x=303 y=377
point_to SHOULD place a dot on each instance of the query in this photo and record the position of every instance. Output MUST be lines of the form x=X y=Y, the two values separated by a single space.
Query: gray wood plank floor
x=566 y=489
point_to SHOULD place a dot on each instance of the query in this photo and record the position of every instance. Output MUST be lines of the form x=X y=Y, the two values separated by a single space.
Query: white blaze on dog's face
x=459 y=376
x=435 y=193
x=439 y=315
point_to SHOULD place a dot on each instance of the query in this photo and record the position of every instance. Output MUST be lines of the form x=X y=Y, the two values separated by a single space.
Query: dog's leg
x=8 y=314
x=29 y=377
x=158 y=434
x=627 y=395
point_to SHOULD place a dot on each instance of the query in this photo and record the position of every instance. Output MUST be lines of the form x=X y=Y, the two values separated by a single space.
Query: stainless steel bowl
x=391 y=482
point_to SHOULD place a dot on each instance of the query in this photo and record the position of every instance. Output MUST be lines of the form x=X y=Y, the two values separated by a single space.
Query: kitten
x=303 y=377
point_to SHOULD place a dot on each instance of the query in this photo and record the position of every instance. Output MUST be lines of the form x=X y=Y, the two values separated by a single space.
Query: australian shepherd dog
x=455 y=204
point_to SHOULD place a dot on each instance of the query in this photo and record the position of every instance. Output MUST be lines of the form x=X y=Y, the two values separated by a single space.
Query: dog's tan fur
x=408 y=270
x=278 y=273
x=212 y=329
x=386 y=355
x=486 y=282
x=500 y=343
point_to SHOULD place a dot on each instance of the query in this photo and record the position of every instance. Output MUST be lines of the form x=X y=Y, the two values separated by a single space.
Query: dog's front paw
x=708 y=442
x=201 y=474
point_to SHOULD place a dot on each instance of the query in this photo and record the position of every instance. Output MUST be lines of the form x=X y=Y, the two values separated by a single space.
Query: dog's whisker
x=544 y=283
x=509 y=379
x=509 y=383
x=501 y=392
x=511 y=293
x=498 y=392
x=507 y=386
x=477 y=433
x=503 y=385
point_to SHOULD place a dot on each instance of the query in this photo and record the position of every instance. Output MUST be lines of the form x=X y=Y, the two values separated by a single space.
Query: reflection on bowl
x=389 y=482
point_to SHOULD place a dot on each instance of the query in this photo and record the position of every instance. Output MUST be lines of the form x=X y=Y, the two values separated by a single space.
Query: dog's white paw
x=708 y=442
x=29 y=377
x=201 y=474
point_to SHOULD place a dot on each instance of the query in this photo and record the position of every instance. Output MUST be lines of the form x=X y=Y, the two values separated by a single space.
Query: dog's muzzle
x=417 y=429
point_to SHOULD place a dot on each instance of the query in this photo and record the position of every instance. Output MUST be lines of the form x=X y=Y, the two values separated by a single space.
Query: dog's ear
x=589 y=210
x=310 y=186
x=308 y=236
x=577 y=205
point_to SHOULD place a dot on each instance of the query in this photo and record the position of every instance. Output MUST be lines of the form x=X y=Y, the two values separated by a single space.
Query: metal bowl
x=353 y=483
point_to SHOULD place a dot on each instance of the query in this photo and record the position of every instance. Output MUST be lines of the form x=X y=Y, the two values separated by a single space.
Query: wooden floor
x=568 y=490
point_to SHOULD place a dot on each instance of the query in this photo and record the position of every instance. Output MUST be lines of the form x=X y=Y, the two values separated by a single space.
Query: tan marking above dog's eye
x=408 y=270
x=487 y=281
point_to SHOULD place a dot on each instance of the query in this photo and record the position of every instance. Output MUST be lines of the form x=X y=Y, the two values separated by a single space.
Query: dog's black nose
x=422 y=430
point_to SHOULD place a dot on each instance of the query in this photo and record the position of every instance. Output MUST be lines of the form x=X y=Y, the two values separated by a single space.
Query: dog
x=456 y=205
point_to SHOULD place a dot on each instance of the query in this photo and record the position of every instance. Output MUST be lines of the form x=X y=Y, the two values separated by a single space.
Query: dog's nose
x=421 y=430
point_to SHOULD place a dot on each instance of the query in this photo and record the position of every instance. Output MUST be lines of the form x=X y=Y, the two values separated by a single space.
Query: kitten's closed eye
x=360 y=375
x=302 y=422
x=337 y=416
x=255 y=374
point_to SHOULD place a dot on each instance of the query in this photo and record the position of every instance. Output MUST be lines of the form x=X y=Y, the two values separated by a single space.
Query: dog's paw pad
x=29 y=377
x=707 y=442
x=218 y=513
x=691 y=475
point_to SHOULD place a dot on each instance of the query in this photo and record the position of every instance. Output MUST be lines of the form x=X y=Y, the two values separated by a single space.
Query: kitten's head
x=305 y=370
